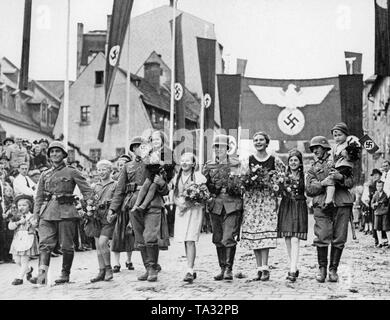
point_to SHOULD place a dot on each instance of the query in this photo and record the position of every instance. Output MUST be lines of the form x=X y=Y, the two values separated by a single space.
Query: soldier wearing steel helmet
x=331 y=227
x=225 y=209
x=55 y=212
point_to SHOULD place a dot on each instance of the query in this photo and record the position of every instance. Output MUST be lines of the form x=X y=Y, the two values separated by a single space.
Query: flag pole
x=66 y=82
x=128 y=84
x=172 y=102
x=201 y=135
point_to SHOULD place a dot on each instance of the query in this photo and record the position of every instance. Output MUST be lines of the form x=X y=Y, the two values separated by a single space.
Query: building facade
x=29 y=114
x=149 y=109
x=376 y=121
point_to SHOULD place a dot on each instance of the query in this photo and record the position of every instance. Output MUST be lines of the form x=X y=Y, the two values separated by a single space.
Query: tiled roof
x=161 y=100
x=55 y=86
x=21 y=119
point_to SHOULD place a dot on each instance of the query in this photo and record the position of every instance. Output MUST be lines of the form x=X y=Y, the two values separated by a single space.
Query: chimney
x=152 y=73
x=80 y=33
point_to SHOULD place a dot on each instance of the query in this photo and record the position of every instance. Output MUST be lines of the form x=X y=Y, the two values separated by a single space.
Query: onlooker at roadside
x=17 y=154
x=22 y=183
x=380 y=205
x=38 y=158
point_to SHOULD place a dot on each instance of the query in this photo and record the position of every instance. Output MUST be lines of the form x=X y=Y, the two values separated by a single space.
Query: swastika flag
x=368 y=144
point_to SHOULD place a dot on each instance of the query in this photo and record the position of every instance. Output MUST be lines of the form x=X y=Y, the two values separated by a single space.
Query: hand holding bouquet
x=290 y=185
x=260 y=178
x=195 y=195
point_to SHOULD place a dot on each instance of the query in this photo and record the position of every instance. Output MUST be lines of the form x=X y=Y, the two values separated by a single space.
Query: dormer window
x=99 y=78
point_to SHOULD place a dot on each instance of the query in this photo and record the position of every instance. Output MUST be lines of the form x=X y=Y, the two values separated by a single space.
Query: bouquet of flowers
x=195 y=195
x=290 y=184
x=235 y=186
x=261 y=179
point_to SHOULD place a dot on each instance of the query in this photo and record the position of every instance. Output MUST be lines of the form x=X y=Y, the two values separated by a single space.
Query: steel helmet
x=221 y=139
x=57 y=144
x=319 y=141
x=136 y=140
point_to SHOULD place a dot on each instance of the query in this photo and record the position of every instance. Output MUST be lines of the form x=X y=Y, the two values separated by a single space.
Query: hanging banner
x=120 y=19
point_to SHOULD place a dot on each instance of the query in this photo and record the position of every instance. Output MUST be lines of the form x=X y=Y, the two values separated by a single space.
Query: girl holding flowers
x=259 y=225
x=293 y=213
x=190 y=194
x=25 y=243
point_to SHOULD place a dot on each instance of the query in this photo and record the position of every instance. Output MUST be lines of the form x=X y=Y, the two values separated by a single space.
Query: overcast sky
x=280 y=38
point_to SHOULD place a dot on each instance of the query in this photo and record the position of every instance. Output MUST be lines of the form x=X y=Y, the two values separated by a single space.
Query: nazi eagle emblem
x=291 y=121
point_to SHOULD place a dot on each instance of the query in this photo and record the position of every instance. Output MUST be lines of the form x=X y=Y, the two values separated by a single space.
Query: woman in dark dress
x=293 y=212
x=6 y=235
x=122 y=238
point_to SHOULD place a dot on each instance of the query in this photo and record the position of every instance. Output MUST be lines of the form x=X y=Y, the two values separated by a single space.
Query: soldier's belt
x=62 y=199
x=131 y=187
x=104 y=205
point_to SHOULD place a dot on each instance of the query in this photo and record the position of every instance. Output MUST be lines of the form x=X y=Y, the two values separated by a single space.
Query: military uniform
x=147 y=226
x=331 y=227
x=56 y=212
x=103 y=193
x=225 y=211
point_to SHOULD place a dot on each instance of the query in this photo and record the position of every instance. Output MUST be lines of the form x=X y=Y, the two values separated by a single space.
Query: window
x=95 y=154
x=1 y=97
x=51 y=117
x=44 y=111
x=11 y=100
x=99 y=77
x=71 y=156
x=113 y=113
x=119 y=151
x=85 y=114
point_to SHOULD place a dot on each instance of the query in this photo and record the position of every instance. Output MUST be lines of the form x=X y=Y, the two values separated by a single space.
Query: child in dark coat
x=380 y=205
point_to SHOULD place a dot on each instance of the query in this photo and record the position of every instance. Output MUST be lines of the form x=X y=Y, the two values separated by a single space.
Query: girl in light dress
x=188 y=221
x=25 y=243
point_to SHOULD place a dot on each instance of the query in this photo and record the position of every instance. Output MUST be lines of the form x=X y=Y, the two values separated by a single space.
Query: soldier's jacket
x=131 y=179
x=217 y=175
x=103 y=194
x=318 y=172
x=57 y=182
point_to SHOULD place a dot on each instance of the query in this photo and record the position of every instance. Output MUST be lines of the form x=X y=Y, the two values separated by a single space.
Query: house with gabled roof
x=149 y=109
x=29 y=114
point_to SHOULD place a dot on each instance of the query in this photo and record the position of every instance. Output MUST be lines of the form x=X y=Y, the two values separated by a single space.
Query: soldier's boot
x=144 y=256
x=230 y=253
x=100 y=276
x=322 y=255
x=221 y=253
x=44 y=261
x=109 y=274
x=335 y=255
x=67 y=260
x=153 y=253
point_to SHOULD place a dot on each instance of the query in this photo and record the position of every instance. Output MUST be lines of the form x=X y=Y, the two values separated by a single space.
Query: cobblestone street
x=363 y=275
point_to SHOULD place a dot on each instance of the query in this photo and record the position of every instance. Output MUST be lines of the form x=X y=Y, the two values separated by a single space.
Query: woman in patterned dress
x=259 y=225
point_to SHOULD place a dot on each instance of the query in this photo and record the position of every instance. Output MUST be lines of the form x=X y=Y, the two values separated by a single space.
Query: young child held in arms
x=157 y=163
x=343 y=156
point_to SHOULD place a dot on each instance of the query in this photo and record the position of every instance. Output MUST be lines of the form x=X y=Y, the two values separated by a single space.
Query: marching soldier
x=225 y=209
x=146 y=226
x=55 y=212
x=331 y=227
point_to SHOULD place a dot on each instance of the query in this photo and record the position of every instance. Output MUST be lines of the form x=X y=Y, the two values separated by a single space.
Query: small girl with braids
x=188 y=221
